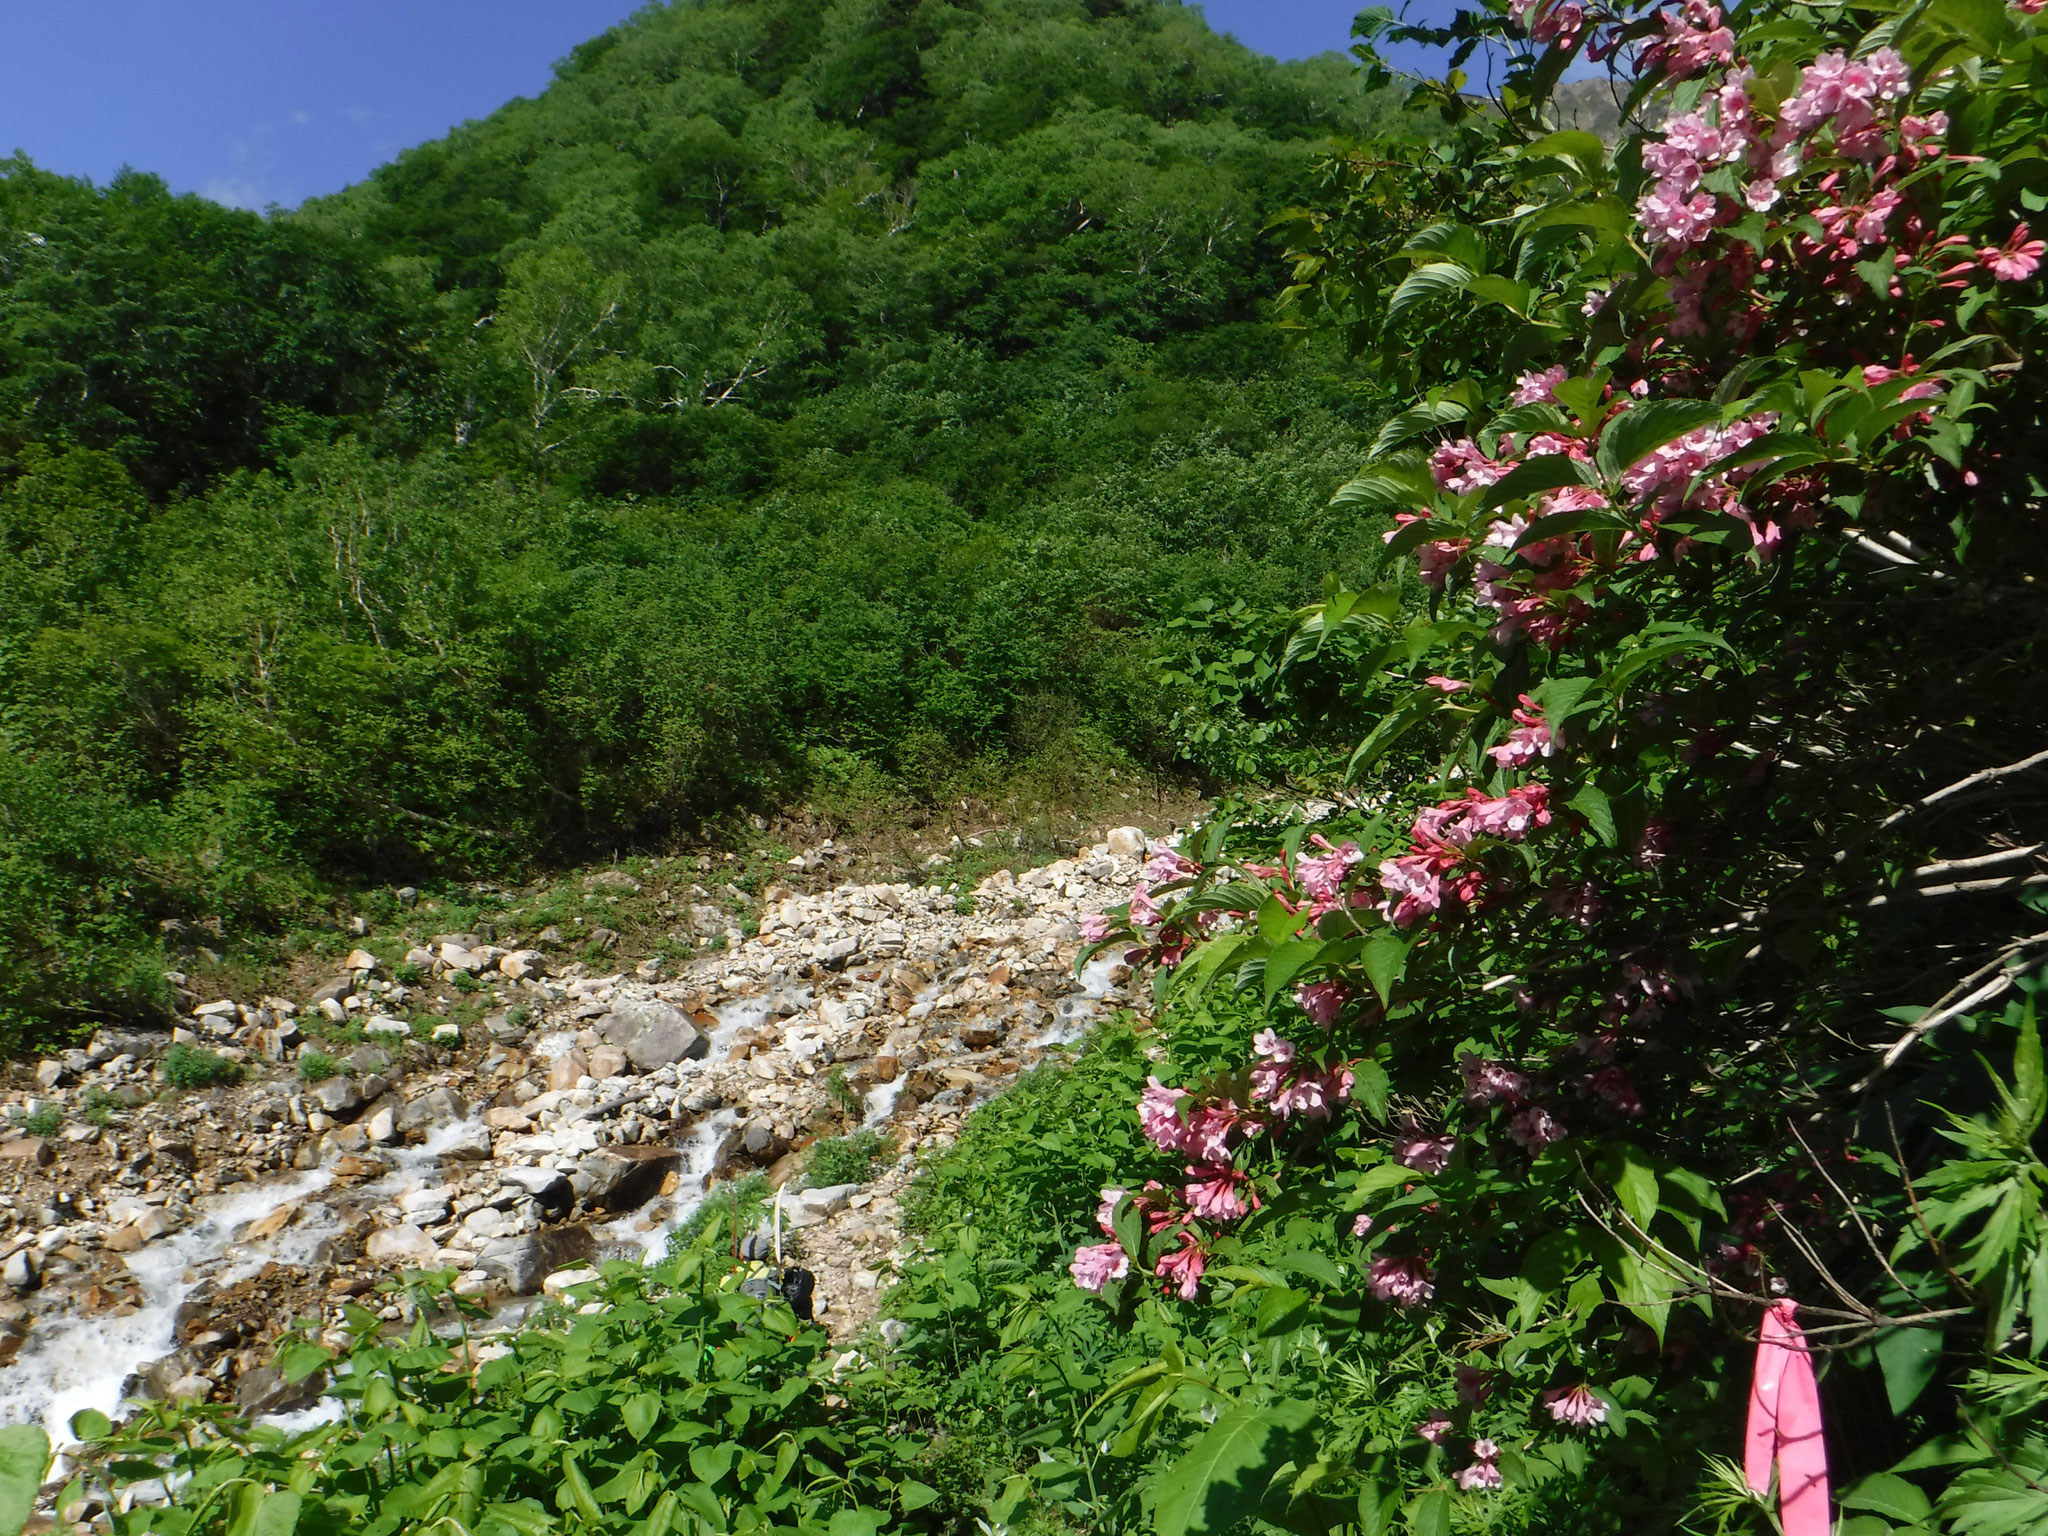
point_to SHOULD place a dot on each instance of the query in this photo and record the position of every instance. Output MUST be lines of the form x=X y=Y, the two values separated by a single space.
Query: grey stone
x=263 y=1389
x=404 y=1246
x=626 y=1178
x=334 y=991
x=522 y=1263
x=337 y=1096
x=471 y=1145
x=435 y=1107
x=21 y=1271
x=652 y=1034
x=369 y=1058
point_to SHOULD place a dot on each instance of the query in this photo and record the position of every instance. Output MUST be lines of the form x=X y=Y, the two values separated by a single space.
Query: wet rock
x=436 y=1107
x=760 y=1142
x=472 y=1144
x=549 y=1190
x=521 y=1263
x=338 y=1096
x=626 y=1178
x=23 y=1271
x=262 y=1389
x=652 y=1034
x=404 y=1246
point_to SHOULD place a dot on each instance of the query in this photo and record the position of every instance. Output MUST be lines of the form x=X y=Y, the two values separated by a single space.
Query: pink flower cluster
x=1529 y=740
x=1291 y=1084
x=1693 y=38
x=1437 y=872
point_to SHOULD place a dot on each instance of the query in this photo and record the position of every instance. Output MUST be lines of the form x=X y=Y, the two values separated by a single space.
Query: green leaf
x=640 y=1414
x=916 y=1495
x=1388 y=485
x=1457 y=243
x=1286 y=962
x=1545 y=472
x=575 y=1491
x=1370 y=1089
x=857 y=1522
x=1384 y=958
x=1569 y=144
x=1980 y=23
x=1888 y=1494
x=1909 y=1357
x=90 y=1424
x=256 y=1513
x=1437 y=280
x=1592 y=803
x=1606 y=214
x=1507 y=292
x=1646 y=428
x=1281 y=1309
x=1225 y=1473
x=1429 y=1514
x=2029 y=1082
x=1428 y=416
x=24 y=1457
x=1635 y=1183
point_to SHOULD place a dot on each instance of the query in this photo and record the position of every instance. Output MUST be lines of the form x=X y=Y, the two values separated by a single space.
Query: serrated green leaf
x=1646 y=428
x=1438 y=280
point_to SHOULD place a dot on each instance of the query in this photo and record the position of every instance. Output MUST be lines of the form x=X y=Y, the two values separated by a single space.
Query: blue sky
x=256 y=102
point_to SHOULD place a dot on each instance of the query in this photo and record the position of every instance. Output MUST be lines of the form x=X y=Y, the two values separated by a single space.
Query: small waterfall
x=73 y=1363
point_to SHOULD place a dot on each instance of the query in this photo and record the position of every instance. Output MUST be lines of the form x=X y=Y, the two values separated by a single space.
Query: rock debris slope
x=154 y=1241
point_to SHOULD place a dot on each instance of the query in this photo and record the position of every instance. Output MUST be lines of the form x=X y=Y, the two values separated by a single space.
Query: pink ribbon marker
x=1784 y=1425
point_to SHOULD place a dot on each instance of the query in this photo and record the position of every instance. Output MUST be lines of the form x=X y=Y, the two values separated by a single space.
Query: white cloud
x=236 y=192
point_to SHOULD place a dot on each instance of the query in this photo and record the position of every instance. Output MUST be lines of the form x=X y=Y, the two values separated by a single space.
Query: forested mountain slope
x=790 y=393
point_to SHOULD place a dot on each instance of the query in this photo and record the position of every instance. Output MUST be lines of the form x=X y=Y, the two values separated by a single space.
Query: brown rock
x=625 y=1178
x=886 y=1069
x=502 y=1118
x=29 y=1149
x=565 y=1069
x=608 y=1061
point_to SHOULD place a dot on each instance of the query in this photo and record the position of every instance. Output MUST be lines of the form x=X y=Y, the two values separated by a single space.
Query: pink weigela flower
x=1405 y=1282
x=1535 y=1128
x=1094 y=1267
x=1321 y=1000
x=1219 y=1193
x=1095 y=927
x=1323 y=878
x=1182 y=1268
x=1575 y=1406
x=1492 y=1082
x=1537 y=388
x=1413 y=1148
x=1484 y=1472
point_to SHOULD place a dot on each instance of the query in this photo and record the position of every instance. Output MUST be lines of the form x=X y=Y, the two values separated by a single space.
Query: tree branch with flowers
x=1572 y=1053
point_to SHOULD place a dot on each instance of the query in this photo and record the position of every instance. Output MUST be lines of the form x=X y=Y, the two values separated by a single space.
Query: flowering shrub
x=1684 y=836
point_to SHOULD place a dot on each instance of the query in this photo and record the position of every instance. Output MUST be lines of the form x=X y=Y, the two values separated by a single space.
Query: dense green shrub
x=191 y=1066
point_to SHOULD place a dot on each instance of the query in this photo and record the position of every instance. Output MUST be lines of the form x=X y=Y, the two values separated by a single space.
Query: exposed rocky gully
x=159 y=1241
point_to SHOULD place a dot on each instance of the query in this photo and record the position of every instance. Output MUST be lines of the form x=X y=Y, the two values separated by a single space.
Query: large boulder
x=435 y=1107
x=652 y=1034
x=520 y=1264
x=626 y=1178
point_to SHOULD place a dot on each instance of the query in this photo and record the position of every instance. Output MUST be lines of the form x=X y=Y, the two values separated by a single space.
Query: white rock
x=384 y=1024
x=562 y=1279
x=220 y=1008
x=361 y=960
x=404 y=1245
x=1126 y=842
x=383 y=1126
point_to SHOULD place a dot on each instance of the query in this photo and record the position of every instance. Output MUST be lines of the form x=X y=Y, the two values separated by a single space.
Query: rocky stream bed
x=158 y=1240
